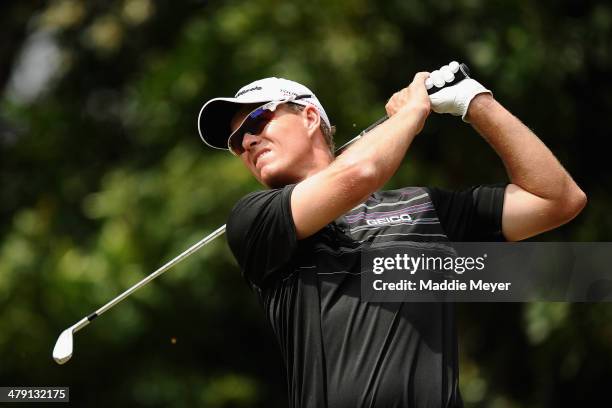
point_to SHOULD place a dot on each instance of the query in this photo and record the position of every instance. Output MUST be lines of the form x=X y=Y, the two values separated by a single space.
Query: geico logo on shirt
x=389 y=220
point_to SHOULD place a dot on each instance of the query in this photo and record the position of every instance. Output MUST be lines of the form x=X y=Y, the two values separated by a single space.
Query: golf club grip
x=460 y=75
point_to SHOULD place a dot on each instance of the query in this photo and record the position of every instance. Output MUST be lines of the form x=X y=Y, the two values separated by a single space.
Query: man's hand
x=414 y=97
x=454 y=99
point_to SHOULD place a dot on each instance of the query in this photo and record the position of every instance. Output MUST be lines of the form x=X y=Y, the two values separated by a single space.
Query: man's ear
x=312 y=119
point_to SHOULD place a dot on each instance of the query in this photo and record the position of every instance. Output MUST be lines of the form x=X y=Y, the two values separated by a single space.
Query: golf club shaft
x=219 y=231
x=359 y=136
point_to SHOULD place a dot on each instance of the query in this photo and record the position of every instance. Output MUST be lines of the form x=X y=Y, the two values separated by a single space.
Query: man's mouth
x=260 y=155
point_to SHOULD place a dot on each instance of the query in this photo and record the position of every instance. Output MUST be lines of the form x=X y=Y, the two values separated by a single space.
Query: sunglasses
x=255 y=122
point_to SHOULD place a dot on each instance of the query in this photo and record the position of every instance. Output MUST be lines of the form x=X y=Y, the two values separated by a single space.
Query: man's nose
x=249 y=140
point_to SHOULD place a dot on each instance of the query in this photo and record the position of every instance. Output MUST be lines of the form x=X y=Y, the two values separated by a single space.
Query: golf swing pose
x=298 y=243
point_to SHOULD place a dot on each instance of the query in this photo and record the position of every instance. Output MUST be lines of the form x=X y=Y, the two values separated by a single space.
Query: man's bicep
x=526 y=215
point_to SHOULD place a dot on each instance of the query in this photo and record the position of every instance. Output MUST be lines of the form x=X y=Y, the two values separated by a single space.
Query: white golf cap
x=216 y=114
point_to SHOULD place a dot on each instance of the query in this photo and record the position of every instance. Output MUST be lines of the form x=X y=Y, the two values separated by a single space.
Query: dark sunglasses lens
x=257 y=121
x=253 y=124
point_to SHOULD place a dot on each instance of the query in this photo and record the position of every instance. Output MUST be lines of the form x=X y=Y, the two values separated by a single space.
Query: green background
x=104 y=178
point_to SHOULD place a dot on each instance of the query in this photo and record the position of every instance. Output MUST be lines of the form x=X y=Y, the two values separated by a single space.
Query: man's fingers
x=420 y=77
x=413 y=93
x=419 y=80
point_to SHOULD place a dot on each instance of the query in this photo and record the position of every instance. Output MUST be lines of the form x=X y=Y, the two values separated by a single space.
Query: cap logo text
x=255 y=88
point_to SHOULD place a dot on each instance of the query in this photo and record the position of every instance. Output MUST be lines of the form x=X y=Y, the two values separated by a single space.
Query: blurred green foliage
x=104 y=179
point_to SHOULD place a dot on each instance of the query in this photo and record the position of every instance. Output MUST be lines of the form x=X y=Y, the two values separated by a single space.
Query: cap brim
x=214 y=120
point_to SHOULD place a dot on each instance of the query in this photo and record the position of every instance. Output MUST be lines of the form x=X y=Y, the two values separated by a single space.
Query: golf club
x=62 y=352
x=63 y=347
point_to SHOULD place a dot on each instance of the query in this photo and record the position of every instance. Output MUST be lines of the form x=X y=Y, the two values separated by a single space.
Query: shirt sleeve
x=261 y=233
x=474 y=214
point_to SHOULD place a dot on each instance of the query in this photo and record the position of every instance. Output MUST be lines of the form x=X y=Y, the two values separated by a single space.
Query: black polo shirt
x=339 y=351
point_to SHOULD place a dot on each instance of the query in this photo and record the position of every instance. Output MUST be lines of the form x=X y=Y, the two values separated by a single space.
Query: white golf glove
x=453 y=99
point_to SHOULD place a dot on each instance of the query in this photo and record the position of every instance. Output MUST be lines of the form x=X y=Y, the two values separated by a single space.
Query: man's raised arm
x=542 y=195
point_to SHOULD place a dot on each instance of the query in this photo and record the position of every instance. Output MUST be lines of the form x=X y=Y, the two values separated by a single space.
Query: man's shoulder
x=257 y=199
x=258 y=195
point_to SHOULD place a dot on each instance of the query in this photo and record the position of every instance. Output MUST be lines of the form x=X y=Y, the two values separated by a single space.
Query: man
x=299 y=242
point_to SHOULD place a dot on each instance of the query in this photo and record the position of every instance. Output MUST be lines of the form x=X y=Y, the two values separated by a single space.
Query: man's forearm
x=384 y=147
x=529 y=163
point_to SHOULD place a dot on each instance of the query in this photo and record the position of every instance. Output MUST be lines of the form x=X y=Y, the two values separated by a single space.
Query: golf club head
x=63 y=347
